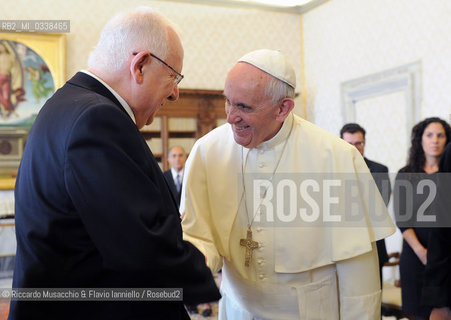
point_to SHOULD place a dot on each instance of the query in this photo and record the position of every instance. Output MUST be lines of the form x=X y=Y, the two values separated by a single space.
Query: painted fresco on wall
x=25 y=84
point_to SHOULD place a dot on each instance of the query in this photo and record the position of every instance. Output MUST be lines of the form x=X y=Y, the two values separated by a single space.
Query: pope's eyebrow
x=240 y=104
x=244 y=106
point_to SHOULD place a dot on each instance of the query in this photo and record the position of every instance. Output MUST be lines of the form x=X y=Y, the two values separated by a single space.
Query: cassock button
x=261 y=277
x=261 y=165
x=260 y=261
x=259 y=229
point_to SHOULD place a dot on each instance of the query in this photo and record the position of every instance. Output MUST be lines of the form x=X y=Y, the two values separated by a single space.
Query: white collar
x=121 y=100
x=280 y=136
x=175 y=173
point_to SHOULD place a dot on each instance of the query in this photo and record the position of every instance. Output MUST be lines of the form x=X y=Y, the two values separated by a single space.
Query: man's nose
x=174 y=93
x=232 y=114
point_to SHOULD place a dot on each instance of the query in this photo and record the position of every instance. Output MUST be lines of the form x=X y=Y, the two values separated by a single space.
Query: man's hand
x=440 y=314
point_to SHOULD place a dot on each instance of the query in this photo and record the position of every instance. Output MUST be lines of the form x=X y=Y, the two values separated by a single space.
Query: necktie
x=177 y=182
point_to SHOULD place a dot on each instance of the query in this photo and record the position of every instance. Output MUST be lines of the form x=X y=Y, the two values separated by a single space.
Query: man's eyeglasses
x=358 y=143
x=178 y=76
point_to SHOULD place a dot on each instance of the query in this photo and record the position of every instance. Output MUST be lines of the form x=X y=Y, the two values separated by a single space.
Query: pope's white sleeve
x=359 y=287
x=197 y=222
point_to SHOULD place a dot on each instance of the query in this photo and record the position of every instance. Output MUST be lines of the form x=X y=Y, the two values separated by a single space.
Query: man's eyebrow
x=243 y=105
x=239 y=104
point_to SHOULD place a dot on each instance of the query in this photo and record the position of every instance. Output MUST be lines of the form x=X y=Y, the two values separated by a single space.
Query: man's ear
x=137 y=64
x=284 y=109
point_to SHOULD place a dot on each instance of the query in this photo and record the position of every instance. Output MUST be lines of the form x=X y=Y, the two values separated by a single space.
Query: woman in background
x=429 y=138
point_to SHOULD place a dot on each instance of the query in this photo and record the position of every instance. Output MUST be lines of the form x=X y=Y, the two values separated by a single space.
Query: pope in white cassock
x=310 y=262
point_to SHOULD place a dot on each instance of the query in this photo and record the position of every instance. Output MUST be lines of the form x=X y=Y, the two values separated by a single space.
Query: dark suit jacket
x=437 y=276
x=177 y=194
x=93 y=210
x=380 y=175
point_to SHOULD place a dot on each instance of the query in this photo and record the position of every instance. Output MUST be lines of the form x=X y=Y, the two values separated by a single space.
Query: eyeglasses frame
x=178 y=76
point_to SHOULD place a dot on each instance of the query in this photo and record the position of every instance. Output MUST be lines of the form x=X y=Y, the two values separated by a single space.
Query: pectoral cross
x=249 y=245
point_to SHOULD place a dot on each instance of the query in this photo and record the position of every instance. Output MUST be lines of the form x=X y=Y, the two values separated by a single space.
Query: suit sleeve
x=125 y=208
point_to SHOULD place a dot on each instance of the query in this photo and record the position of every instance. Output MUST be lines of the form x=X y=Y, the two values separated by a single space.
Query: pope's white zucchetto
x=272 y=62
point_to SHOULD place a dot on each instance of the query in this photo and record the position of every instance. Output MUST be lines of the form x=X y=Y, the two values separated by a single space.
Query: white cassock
x=304 y=268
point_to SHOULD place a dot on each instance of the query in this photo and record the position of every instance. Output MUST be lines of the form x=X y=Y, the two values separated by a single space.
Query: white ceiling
x=254 y=4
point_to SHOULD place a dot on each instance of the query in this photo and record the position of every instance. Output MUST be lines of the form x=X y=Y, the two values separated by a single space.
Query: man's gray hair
x=132 y=31
x=278 y=90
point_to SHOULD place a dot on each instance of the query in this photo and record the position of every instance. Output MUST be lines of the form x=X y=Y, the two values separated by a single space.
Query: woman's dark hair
x=417 y=158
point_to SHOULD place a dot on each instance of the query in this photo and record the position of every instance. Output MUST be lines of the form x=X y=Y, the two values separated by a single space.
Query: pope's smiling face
x=251 y=113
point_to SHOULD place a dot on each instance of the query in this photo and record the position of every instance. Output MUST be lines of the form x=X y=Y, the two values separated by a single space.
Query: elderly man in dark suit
x=174 y=176
x=92 y=207
x=354 y=134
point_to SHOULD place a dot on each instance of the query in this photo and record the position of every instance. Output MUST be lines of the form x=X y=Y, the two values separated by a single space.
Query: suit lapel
x=368 y=164
x=171 y=183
